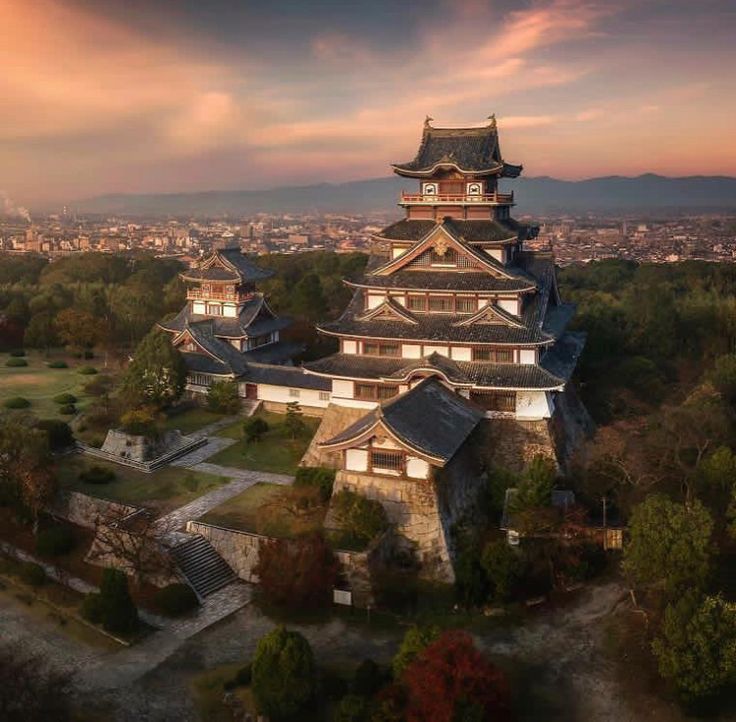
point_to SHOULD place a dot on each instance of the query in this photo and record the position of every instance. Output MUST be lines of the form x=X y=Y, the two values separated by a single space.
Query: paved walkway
x=242 y=479
x=215 y=607
x=194 y=457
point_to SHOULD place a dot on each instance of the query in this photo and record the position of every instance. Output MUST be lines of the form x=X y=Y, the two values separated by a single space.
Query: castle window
x=257 y=341
x=465 y=304
x=391 y=461
x=324 y=395
x=441 y=304
x=381 y=349
x=294 y=393
x=497 y=355
x=416 y=303
x=375 y=392
x=214 y=309
x=495 y=400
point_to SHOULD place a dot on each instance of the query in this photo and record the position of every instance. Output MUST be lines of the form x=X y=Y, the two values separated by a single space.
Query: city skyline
x=169 y=97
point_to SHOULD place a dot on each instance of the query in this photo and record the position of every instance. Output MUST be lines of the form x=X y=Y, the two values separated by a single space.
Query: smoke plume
x=9 y=208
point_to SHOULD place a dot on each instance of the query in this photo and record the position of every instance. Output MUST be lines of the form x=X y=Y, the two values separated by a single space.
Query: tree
x=361 y=519
x=283 y=674
x=535 y=489
x=79 y=330
x=30 y=691
x=723 y=377
x=41 y=332
x=352 y=708
x=670 y=544
x=416 y=640
x=254 y=428
x=294 y=423
x=141 y=422
x=26 y=476
x=503 y=567
x=112 y=606
x=451 y=680
x=222 y=397
x=58 y=432
x=132 y=543
x=297 y=573
x=157 y=375
x=307 y=298
x=696 y=646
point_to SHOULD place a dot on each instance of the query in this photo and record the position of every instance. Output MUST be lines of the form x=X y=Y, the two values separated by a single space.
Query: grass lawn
x=39 y=384
x=165 y=489
x=276 y=452
x=270 y=509
x=191 y=420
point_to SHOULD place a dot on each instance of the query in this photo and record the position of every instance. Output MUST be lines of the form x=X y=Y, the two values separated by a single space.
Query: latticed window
x=497 y=355
x=381 y=349
x=495 y=400
x=387 y=460
x=440 y=303
x=387 y=392
x=416 y=303
x=375 y=392
x=466 y=304
x=466 y=262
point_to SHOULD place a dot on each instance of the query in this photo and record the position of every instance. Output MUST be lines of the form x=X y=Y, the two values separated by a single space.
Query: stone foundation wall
x=84 y=510
x=240 y=550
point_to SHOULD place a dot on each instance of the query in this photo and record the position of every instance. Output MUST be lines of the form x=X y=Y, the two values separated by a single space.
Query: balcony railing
x=197 y=294
x=436 y=198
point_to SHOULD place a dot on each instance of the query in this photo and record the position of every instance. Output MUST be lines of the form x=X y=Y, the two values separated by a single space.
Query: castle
x=454 y=353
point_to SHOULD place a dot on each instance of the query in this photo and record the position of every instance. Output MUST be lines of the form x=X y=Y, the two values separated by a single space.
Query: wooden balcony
x=486 y=199
x=196 y=294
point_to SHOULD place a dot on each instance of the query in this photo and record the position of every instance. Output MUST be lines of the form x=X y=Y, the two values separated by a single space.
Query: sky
x=101 y=96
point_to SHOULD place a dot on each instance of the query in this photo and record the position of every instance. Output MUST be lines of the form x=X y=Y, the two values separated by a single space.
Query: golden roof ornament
x=440 y=247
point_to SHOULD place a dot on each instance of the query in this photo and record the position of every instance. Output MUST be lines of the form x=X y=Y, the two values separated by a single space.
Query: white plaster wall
x=410 y=350
x=496 y=253
x=417 y=468
x=235 y=342
x=396 y=252
x=230 y=310
x=461 y=354
x=444 y=350
x=198 y=307
x=375 y=300
x=281 y=395
x=350 y=347
x=400 y=299
x=354 y=403
x=527 y=356
x=512 y=306
x=343 y=389
x=533 y=405
x=356 y=460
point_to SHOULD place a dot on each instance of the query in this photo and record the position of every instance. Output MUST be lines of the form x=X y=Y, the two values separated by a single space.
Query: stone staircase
x=204 y=569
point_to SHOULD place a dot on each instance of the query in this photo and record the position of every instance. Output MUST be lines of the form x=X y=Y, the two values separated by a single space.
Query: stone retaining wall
x=84 y=510
x=240 y=550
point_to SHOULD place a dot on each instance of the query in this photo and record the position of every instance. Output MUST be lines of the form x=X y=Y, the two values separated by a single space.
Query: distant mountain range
x=543 y=195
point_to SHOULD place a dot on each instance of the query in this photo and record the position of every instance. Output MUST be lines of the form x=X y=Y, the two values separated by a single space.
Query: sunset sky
x=139 y=96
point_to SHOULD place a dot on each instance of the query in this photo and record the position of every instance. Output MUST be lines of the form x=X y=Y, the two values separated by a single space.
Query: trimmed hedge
x=17 y=402
x=175 y=600
x=55 y=542
x=97 y=475
x=87 y=370
x=16 y=362
x=316 y=477
x=32 y=574
x=68 y=410
x=18 y=352
x=57 y=365
x=65 y=399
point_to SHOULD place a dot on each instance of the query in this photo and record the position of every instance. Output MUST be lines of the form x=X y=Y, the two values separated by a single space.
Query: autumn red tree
x=297 y=572
x=452 y=680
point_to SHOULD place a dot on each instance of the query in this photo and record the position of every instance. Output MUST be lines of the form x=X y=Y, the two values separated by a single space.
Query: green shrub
x=97 y=475
x=87 y=370
x=32 y=574
x=352 y=708
x=176 y=600
x=119 y=614
x=64 y=399
x=254 y=428
x=56 y=541
x=17 y=402
x=368 y=679
x=18 y=352
x=57 y=365
x=68 y=410
x=316 y=477
x=59 y=433
x=16 y=362
x=222 y=397
x=361 y=518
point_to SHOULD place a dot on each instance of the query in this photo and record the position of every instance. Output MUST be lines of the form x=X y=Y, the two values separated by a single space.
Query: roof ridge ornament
x=492 y=118
x=427 y=120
